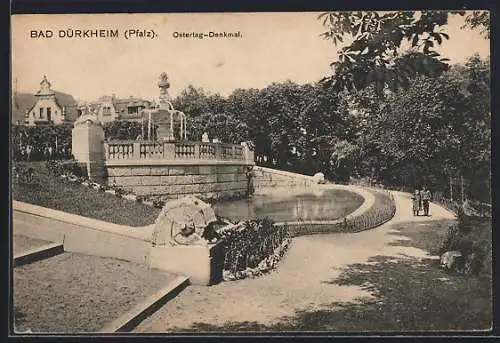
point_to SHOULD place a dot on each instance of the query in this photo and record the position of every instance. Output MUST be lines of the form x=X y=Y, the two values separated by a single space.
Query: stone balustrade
x=149 y=150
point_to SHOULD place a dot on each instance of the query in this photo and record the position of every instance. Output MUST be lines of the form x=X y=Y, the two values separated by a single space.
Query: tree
x=222 y=126
x=479 y=20
x=245 y=105
x=192 y=101
x=375 y=53
x=437 y=128
x=343 y=159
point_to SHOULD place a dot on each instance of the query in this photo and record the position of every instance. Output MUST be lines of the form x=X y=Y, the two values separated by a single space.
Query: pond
x=283 y=205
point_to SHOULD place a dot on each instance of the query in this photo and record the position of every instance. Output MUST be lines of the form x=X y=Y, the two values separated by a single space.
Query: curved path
x=300 y=283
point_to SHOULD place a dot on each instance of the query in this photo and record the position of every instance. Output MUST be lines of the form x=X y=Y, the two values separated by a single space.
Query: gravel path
x=21 y=243
x=73 y=293
x=300 y=283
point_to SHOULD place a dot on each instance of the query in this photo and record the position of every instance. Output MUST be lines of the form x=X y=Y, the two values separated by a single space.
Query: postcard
x=264 y=172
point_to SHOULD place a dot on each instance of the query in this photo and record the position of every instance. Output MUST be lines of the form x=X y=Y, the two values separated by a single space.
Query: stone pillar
x=171 y=137
x=169 y=150
x=87 y=146
x=248 y=154
x=181 y=131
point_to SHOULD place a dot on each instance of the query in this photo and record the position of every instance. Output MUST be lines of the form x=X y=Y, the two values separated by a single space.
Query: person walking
x=426 y=198
x=415 y=197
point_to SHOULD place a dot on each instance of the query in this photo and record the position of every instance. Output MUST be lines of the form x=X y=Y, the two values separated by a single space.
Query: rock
x=319 y=178
x=130 y=197
x=449 y=259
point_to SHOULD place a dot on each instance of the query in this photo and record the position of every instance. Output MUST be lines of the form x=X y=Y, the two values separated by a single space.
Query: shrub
x=158 y=203
x=251 y=242
x=472 y=238
x=74 y=168
x=119 y=192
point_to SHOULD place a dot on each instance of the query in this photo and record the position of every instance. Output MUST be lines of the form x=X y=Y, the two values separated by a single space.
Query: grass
x=71 y=293
x=425 y=236
x=409 y=294
x=56 y=193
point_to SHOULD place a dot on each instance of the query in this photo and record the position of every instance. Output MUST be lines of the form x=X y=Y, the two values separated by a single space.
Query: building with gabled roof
x=46 y=106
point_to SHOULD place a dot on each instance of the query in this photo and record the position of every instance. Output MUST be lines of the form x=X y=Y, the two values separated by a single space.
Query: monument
x=171 y=123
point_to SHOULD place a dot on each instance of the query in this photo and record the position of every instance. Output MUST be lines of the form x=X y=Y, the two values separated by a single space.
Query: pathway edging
x=37 y=254
x=128 y=321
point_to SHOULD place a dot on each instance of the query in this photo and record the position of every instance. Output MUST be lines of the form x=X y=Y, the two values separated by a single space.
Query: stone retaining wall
x=264 y=178
x=174 y=181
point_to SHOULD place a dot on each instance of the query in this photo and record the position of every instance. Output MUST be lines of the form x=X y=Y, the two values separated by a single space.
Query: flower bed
x=253 y=247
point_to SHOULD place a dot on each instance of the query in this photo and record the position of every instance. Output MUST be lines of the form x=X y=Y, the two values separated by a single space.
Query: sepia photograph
x=251 y=172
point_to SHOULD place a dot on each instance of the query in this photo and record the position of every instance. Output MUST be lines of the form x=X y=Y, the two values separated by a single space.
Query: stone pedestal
x=162 y=118
x=87 y=146
x=202 y=264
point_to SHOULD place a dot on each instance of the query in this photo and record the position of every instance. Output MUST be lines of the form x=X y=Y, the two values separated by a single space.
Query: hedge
x=57 y=138
x=382 y=210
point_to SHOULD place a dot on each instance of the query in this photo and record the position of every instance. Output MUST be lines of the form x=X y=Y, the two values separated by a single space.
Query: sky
x=274 y=47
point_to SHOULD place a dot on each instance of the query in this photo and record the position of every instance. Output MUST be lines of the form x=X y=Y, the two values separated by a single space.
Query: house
x=110 y=108
x=44 y=107
x=131 y=108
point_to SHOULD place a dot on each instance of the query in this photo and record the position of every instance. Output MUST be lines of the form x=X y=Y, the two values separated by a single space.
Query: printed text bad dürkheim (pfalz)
x=71 y=33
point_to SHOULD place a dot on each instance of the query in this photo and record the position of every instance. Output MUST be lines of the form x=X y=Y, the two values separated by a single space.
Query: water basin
x=283 y=205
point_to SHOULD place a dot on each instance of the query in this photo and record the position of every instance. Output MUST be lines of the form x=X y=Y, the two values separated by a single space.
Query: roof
x=25 y=101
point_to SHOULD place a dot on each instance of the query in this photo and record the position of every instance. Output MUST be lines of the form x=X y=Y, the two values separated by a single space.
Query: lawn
x=56 y=193
x=410 y=294
x=77 y=293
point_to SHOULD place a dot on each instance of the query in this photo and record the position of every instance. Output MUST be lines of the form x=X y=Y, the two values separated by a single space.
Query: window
x=41 y=112
x=106 y=110
x=49 y=113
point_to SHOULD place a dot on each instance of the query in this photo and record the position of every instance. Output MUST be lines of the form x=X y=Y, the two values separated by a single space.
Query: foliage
x=127 y=130
x=343 y=159
x=58 y=137
x=375 y=42
x=216 y=126
x=250 y=242
x=472 y=237
x=288 y=126
x=437 y=128
x=58 y=168
x=39 y=138
x=195 y=102
x=479 y=19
